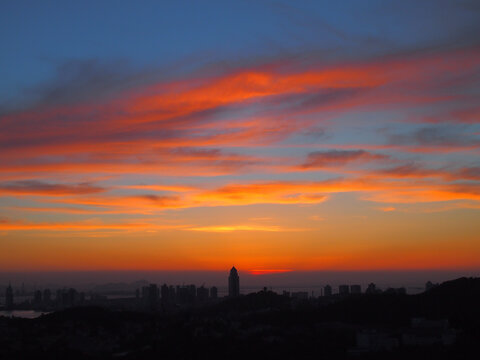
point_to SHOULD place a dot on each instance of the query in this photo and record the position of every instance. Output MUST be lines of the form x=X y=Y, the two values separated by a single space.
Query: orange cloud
x=33 y=187
x=172 y=188
x=87 y=225
x=369 y=187
x=142 y=204
x=387 y=208
x=176 y=113
x=336 y=158
x=380 y=190
x=274 y=193
x=243 y=137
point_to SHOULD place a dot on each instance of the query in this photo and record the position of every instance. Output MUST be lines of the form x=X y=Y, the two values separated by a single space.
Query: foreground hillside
x=442 y=323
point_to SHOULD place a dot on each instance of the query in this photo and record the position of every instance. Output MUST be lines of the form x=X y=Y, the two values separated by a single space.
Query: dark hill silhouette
x=456 y=300
x=258 y=325
x=462 y=289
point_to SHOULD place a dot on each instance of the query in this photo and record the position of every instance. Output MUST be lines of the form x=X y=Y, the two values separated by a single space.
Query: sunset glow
x=313 y=147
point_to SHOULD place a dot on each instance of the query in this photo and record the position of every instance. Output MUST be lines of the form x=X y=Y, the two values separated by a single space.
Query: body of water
x=27 y=314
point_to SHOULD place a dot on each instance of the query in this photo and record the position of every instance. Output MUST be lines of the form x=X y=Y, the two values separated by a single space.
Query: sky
x=275 y=136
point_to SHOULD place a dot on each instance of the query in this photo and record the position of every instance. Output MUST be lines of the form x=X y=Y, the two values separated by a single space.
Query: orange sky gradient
x=274 y=167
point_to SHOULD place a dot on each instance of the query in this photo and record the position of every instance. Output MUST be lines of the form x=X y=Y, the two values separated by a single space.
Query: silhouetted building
x=186 y=294
x=429 y=285
x=9 y=298
x=181 y=294
x=371 y=289
x=72 y=297
x=300 y=295
x=58 y=297
x=171 y=293
x=327 y=290
x=192 y=292
x=165 y=293
x=213 y=292
x=396 y=291
x=202 y=294
x=150 y=296
x=355 y=289
x=37 y=297
x=68 y=298
x=233 y=283
x=343 y=290
x=47 y=296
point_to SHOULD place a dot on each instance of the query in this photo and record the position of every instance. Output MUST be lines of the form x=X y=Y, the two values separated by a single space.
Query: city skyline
x=148 y=296
x=282 y=137
x=126 y=283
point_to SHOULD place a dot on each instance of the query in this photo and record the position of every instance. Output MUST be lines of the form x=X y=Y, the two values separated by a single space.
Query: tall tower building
x=9 y=298
x=233 y=283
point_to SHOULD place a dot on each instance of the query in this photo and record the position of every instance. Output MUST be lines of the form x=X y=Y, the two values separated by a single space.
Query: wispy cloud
x=34 y=187
x=86 y=225
x=247 y=135
x=440 y=136
x=333 y=158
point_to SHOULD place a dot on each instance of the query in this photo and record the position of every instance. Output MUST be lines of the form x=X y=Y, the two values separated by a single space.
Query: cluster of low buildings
x=153 y=297
x=45 y=299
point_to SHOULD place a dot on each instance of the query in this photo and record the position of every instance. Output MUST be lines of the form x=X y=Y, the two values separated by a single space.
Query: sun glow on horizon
x=268 y=271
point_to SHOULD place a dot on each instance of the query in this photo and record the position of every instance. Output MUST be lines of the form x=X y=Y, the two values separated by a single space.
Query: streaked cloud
x=34 y=187
x=271 y=147
x=333 y=158
x=438 y=137
x=387 y=208
x=86 y=225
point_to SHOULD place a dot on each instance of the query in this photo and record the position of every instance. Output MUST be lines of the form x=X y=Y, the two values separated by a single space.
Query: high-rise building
x=327 y=290
x=213 y=292
x=37 y=298
x=202 y=294
x=343 y=290
x=9 y=298
x=371 y=289
x=73 y=297
x=192 y=293
x=150 y=295
x=171 y=293
x=185 y=294
x=165 y=293
x=355 y=289
x=47 y=296
x=233 y=283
